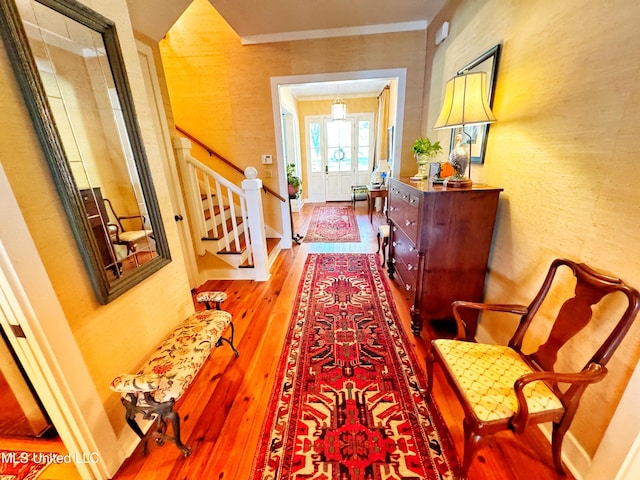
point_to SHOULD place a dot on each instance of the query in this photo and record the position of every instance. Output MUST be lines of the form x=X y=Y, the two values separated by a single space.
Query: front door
x=339 y=155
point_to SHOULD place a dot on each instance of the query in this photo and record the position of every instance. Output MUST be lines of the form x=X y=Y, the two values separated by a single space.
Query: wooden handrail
x=212 y=152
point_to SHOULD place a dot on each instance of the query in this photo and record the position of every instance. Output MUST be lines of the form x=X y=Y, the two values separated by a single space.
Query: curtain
x=382 y=125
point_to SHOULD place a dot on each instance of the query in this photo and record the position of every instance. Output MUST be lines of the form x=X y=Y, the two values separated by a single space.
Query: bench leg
x=162 y=412
x=174 y=418
x=229 y=341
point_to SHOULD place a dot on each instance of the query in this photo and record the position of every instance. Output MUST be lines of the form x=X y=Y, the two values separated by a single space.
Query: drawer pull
x=393 y=260
x=408 y=223
x=407 y=287
x=413 y=200
x=392 y=208
x=409 y=267
x=395 y=229
x=412 y=248
x=394 y=243
x=405 y=196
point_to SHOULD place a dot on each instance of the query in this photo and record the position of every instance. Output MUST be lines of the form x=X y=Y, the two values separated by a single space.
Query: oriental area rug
x=20 y=465
x=332 y=224
x=346 y=404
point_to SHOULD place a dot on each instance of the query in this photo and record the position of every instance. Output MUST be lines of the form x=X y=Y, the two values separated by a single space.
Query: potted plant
x=424 y=151
x=293 y=181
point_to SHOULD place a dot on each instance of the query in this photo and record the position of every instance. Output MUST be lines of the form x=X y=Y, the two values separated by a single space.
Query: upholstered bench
x=153 y=391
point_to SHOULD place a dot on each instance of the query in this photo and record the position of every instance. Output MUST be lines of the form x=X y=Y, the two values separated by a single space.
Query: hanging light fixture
x=338 y=109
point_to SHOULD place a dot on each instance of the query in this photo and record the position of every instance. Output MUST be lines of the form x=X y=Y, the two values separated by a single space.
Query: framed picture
x=434 y=170
x=488 y=63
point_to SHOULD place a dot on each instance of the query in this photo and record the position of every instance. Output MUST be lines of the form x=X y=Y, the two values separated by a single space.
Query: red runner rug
x=346 y=404
x=332 y=224
x=20 y=465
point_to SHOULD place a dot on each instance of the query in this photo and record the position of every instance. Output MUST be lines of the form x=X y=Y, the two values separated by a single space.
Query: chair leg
x=385 y=244
x=429 y=370
x=559 y=430
x=472 y=442
x=378 y=235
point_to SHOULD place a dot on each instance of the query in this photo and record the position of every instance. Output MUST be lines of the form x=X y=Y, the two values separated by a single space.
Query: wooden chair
x=359 y=193
x=501 y=387
x=128 y=237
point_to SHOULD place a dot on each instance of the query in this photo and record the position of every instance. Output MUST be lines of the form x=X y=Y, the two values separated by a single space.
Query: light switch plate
x=267 y=159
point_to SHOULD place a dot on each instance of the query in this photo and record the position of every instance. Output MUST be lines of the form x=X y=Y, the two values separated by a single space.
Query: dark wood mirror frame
x=31 y=85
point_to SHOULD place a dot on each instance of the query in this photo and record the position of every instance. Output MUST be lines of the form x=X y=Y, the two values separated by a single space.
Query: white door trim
x=169 y=163
x=48 y=352
x=399 y=74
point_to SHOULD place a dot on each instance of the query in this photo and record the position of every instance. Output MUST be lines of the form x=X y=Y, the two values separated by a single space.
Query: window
x=339 y=146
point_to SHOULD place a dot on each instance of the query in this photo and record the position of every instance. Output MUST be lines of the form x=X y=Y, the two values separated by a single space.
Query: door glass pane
x=339 y=146
x=314 y=147
x=364 y=147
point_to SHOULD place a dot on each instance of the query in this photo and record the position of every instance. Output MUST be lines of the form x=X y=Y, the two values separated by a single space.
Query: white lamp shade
x=338 y=109
x=465 y=102
x=383 y=166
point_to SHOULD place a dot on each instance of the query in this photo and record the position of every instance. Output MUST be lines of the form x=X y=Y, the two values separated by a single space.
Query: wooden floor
x=223 y=410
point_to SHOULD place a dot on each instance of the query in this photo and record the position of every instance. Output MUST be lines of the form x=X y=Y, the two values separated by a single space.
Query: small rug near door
x=346 y=402
x=332 y=224
x=20 y=465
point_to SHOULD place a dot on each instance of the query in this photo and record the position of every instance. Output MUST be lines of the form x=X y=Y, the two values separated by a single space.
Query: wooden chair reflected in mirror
x=504 y=388
x=134 y=237
x=121 y=240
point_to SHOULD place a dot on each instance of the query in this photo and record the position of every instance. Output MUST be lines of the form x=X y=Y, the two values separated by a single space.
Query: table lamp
x=465 y=104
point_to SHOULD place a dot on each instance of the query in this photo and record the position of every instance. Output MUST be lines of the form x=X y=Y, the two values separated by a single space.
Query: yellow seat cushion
x=486 y=375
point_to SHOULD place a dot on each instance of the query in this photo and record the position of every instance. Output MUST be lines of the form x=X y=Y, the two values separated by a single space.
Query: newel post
x=252 y=189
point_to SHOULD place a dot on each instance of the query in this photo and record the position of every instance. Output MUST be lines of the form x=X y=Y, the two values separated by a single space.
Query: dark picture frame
x=488 y=62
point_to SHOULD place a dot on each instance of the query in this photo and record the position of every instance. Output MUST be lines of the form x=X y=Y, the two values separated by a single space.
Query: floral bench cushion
x=177 y=360
x=493 y=399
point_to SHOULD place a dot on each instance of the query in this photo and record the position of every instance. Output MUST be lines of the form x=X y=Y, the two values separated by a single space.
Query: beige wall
x=117 y=337
x=564 y=149
x=231 y=110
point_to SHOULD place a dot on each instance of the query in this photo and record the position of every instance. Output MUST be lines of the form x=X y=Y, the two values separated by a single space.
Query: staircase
x=225 y=220
x=224 y=213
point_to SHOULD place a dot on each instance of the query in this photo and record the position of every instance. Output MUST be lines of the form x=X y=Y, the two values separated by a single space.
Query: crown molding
x=334 y=32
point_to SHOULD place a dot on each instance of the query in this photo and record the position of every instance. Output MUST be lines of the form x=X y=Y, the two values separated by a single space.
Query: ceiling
x=345 y=88
x=259 y=21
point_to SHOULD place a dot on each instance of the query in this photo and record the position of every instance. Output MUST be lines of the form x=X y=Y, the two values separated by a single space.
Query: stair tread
x=211 y=235
x=216 y=211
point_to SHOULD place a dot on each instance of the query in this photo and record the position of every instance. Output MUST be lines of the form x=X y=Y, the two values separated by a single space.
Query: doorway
x=22 y=413
x=339 y=155
x=285 y=93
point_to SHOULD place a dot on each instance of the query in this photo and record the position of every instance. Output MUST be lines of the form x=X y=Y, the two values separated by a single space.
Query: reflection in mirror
x=98 y=159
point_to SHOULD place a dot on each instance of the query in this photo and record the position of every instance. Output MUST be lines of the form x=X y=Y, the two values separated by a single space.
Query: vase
x=293 y=191
x=459 y=159
x=423 y=166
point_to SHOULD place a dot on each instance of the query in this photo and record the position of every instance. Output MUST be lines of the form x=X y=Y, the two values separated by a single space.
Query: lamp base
x=456 y=181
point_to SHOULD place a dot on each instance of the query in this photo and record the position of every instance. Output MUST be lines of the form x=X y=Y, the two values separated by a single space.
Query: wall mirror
x=488 y=63
x=71 y=73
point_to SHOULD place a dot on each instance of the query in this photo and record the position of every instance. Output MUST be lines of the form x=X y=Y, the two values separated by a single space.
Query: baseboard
x=129 y=440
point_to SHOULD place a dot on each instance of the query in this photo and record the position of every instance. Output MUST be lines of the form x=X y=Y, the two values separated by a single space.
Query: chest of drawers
x=440 y=242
